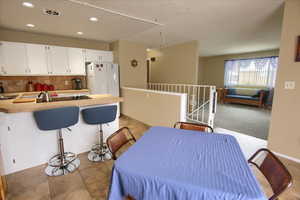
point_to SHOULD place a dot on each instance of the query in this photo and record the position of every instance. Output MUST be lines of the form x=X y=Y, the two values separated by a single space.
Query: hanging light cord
x=115 y=12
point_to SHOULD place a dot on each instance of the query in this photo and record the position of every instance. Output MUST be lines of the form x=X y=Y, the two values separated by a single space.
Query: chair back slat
x=273 y=169
x=118 y=139
x=194 y=126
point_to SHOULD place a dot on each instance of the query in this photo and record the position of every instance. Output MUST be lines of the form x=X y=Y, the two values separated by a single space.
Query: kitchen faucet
x=44 y=96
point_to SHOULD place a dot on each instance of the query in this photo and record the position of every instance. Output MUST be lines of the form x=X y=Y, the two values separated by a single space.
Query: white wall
x=154 y=108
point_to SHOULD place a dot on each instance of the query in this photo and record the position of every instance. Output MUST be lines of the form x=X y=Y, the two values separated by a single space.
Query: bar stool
x=57 y=119
x=99 y=116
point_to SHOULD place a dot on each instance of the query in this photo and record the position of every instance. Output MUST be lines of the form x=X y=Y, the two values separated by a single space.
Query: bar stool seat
x=57 y=119
x=99 y=116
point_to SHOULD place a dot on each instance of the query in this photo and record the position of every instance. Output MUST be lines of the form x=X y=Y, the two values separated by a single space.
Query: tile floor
x=91 y=181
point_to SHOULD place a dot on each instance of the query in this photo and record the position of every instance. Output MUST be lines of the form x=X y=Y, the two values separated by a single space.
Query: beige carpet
x=244 y=119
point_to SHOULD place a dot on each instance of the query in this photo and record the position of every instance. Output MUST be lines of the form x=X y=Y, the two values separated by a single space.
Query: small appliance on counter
x=29 y=86
x=1 y=88
x=77 y=83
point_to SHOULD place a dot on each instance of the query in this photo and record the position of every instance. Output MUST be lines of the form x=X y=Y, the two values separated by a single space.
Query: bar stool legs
x=99 y=116
x=99 y=152
x=62 y=163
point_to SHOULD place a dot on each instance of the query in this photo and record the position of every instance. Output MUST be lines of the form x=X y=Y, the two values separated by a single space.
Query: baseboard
x=287 y=157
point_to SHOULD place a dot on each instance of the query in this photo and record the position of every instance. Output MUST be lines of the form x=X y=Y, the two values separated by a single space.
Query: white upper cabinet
x=76 y=61
x=98 y=56
x=107 y=56
x=24 y=59
x=58 y=61
x=92 y=56
x=2 y=72
x=37 y=59
x=13 y=59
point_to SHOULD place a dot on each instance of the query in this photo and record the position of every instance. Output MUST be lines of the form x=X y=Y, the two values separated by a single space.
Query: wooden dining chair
x=119 y=139
x=129 y=198
x=193 y=126
x=273 y=169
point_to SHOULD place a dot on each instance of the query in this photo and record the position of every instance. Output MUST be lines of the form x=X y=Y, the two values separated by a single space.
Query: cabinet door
x=92 y=56
x=107 y=56
x=14 y=59
x=76 y=61
x=2 y=71
x=37 y=59
x=58 y=60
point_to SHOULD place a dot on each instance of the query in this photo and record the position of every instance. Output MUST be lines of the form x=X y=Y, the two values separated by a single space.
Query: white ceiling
x=220 y=26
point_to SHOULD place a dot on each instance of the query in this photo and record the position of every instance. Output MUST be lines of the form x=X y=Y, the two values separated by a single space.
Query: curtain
x=257 y=72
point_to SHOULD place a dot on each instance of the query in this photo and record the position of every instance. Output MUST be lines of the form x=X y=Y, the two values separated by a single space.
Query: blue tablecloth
x=174 y=164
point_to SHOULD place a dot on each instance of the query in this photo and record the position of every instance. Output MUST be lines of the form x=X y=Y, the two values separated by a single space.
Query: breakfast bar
x=24 y=145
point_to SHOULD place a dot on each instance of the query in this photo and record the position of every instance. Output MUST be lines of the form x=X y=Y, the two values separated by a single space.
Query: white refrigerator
x=103 y=78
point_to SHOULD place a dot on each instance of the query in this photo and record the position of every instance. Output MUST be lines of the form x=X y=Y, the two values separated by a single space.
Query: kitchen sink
x=72 y=98
x=8 y=97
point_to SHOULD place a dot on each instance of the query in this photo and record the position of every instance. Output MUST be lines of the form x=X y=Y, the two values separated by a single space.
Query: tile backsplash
x=18 y=83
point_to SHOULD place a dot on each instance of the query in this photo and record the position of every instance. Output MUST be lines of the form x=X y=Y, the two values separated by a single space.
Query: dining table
x=176 y=164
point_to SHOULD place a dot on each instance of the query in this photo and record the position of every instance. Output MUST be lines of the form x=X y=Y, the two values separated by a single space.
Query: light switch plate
x=289 y=85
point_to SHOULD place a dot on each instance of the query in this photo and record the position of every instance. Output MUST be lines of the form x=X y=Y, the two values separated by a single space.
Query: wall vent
x=51 y=12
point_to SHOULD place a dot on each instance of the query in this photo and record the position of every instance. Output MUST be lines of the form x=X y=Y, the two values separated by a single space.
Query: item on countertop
x=51 y=87
x=44 y=87
x=44 y=96
x=77 y=83
x=24 y=100
x=37 y=87
x=1 y=88
x=54 y=94
x=29 y=86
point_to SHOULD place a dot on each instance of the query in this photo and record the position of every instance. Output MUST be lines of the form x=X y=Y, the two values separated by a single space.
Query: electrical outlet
x=289 y=85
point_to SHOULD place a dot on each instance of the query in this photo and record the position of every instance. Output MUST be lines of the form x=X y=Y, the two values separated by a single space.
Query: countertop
x=50 y=92
x=7 y=106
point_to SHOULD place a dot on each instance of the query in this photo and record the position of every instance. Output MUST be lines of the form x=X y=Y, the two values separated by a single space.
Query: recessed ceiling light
x=30 y=25
x=79 y=33
x=93 y=19
x=28 y=4
x=148 y=49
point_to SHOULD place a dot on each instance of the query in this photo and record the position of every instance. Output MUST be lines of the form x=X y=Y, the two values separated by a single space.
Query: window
x=257 y=72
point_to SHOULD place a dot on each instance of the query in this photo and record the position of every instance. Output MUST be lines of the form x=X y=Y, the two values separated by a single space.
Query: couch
x=249 y=96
